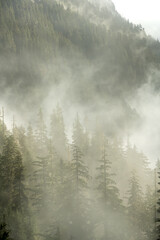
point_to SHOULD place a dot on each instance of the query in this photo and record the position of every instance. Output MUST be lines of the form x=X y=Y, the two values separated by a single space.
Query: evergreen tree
x=107 y=191
x=157 y=230
x=79 y=183
x=149 y=213
x=79 y=137
x=12 y=177
x=14 y=203
x=40 y=190
x=41 y=134
x=136 y=206
x=58 y=135
x=3 y=130
x=106 y=185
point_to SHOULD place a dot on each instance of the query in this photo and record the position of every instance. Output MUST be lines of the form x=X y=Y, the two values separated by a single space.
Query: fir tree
x=79 y=137
x=135 y=205
x=106 y=185
x=57 y=132
x=79 y=180
x=12 y=176
x=107 y=191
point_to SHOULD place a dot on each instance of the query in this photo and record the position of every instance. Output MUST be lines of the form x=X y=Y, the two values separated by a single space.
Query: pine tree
x=58 y=135
x=107 y=191
x=149 y=213
x=79 y=137
x=3 y=130
x=106 y=185
x=39 y=164
x=12 y=176
x=157 y=230
x=135 y=205
x=41 y=134
x=14 y=202
x=79 y=184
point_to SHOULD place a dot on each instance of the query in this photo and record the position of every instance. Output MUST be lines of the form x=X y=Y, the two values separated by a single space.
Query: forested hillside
x=87 y=187
x=74 y=174
x=92 y=54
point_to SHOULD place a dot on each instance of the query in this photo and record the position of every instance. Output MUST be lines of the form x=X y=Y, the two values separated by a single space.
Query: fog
x=79 y=140
x=133 y=112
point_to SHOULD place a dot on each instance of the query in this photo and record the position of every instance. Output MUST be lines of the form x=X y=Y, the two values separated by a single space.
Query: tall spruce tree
x=12 y=177
x=149 y=213
x=79 y=182
x=14 y=201
x=79 y=136
x=41 y=133
x=107 y=191
x=136 y=206
x=157 y=230
x=57 y=132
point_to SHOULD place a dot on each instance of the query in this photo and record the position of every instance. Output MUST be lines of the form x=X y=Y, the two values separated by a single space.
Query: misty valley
x=79 y=123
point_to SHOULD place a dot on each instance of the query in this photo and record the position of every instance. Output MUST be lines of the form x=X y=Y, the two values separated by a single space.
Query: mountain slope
x=93 y=56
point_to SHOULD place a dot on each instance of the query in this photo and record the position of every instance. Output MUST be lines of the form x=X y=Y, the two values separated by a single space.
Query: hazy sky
x=146 y=12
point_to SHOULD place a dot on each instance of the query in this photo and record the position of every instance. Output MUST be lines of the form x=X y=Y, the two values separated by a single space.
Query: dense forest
x=71 y=172
x=86 y=187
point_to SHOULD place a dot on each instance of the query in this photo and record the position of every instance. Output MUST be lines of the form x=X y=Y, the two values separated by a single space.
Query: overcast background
x=146 y=13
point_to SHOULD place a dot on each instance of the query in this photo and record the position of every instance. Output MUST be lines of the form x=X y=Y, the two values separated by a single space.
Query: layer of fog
x=134 y=113
x=147 y=135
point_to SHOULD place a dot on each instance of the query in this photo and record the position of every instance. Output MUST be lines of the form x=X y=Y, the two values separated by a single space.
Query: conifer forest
x=79 y=123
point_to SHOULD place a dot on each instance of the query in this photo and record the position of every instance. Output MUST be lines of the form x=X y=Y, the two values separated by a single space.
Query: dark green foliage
x=4 y=233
